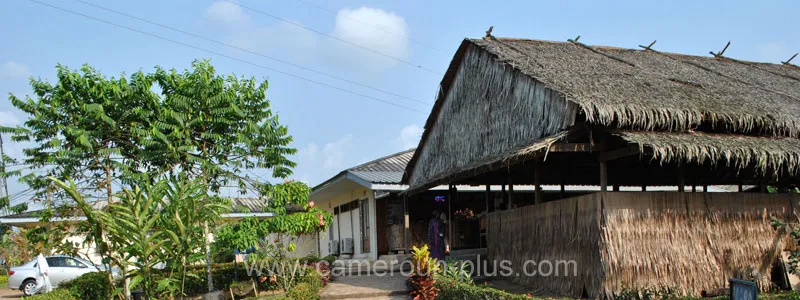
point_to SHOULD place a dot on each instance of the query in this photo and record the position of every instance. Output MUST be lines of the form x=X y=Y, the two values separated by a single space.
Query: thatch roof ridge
x=612 y=89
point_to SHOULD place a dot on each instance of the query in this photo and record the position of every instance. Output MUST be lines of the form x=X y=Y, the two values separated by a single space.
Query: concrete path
x=388 y=287
x=6 y=293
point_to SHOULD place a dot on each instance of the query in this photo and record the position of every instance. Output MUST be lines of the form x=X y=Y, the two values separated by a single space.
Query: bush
x=450 y=289
x=57 y=294
x=93 y=285
x=3 y=279
x=303 y=291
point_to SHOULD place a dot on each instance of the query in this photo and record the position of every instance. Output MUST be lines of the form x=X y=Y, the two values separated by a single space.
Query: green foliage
x=311 y=221
x=456 y=271
x=93 y=131
x=303 y=291
x=93 y=285
x=454 y=290
x=3 y=280
x=649 y=294
x=130 y=226
x=289 y=193
x=57 y=294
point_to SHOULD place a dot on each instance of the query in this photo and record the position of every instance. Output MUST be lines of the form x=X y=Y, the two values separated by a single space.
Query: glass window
x=54 y=261
x=72 y=263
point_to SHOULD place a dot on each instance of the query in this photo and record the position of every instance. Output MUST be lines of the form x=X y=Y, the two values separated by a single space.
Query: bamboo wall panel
x=689 y=242
x=568 y=229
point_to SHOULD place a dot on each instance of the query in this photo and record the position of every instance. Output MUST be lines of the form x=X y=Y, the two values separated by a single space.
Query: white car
x=62 y=268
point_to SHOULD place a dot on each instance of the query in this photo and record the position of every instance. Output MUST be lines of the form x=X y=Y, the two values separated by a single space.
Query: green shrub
x=57 y=294
x=450 y=289
x=303 y=291
x=3 y=279
x=93 y=285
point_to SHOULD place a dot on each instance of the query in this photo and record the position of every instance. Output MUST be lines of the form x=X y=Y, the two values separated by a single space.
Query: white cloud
x=330 y=156
x=384 y=32
x=13 y=70
x=281 y=39
x=334 y=153
x=409 y=136
x=227 y=13
x=8 y=119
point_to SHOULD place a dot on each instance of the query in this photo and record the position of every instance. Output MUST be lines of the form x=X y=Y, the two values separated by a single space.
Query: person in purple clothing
x=436 y=236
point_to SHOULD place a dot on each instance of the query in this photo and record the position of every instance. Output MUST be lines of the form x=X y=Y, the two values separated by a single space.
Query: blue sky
x=333 y=129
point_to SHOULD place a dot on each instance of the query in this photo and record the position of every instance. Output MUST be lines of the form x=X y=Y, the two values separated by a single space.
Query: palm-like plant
x=187 y=205
x=132 y=226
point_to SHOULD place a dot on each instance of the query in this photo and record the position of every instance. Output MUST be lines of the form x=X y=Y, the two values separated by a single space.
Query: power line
x=228 y=56
x=251 y=52
x=335 y=38
x=417 y=41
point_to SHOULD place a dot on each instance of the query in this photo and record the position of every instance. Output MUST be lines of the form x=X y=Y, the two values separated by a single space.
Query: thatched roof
x=750 y=111
x=655 y=90
x=767 y=154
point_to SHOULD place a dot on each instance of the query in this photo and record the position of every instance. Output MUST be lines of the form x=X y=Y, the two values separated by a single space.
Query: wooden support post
x=615 y=188
x=453 y=196
x=406 y=225
x=694 y=188
x=537 y=184
x=603 y=176
x=741 y=189
x=488 y=194
x=503 y=192
x=563 y=191
x=510 y=191
x=681 y=178
x=705 y=188
x=644 y=188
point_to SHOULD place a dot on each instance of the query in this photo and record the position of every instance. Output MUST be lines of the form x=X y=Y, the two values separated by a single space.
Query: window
x=72 y=263
x=54 y=261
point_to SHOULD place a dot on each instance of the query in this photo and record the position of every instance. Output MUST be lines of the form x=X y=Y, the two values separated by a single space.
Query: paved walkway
x=6 y=293
x=367 y=287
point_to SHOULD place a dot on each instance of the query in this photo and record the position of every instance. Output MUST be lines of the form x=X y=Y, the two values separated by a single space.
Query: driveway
x=6 y=293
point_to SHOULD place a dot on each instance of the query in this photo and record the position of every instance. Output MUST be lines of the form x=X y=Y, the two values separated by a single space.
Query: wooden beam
x=619 y=153
x=576 y=147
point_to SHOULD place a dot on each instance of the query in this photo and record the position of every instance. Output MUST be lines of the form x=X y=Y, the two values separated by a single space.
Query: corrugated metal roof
x=387 y=169
x=239 y=205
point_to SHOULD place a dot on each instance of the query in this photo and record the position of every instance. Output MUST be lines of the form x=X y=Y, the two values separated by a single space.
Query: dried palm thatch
x=659 y=91
x=687 y=242
x=690 y=241
x=479 y=101
x=764 y=154
x=553 y=231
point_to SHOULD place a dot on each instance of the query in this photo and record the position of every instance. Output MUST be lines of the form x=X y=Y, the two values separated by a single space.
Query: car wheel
x=28 y=286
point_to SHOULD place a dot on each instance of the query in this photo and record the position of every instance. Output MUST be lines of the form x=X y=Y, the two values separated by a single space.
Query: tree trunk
x=208 y=257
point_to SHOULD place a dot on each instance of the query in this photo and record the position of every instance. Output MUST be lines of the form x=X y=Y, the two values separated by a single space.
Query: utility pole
x=5 y=180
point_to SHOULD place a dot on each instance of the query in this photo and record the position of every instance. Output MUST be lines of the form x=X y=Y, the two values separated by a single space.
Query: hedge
x=452 y=290
x=56 y=294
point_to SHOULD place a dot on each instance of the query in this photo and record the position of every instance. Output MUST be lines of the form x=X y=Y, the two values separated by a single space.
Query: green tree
x=216 y=127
